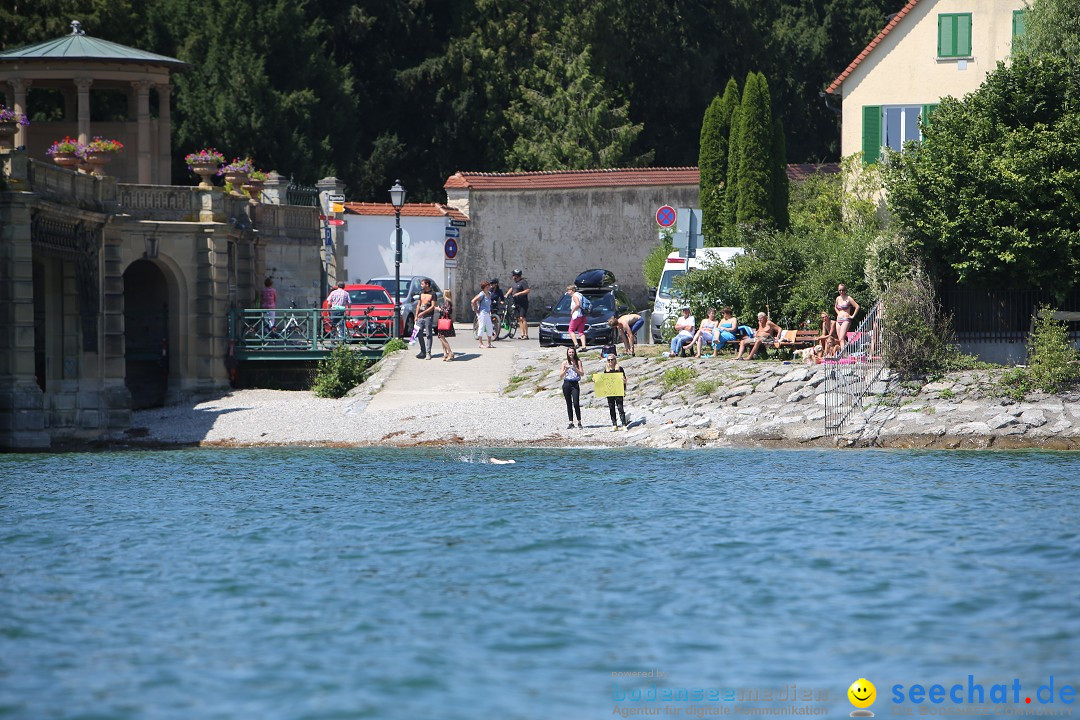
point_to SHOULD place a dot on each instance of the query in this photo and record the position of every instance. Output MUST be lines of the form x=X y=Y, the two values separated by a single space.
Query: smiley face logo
x=862 y=694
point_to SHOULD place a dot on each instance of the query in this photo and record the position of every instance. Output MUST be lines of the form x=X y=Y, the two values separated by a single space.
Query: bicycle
x=497 y=325
x=508 y=327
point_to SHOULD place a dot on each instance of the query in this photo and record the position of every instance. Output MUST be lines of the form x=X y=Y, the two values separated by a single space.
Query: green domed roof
x=81 y=47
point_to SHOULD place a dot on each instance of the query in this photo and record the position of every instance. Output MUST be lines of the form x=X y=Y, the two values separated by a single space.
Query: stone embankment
x=720 y=402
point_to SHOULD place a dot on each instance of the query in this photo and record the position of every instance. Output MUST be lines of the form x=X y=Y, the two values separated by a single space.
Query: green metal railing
x=296 y=334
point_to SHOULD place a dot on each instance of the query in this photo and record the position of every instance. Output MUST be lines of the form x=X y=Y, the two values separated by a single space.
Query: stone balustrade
x=66 y=185
x=160 y=202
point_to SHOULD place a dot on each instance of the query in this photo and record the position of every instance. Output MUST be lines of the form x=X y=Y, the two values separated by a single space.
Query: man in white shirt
x=684 y=330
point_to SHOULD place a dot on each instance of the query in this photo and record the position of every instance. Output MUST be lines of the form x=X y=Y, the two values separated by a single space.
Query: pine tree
x=713 y=160
x=780 y=190
x=755 y=156
x=565 y=118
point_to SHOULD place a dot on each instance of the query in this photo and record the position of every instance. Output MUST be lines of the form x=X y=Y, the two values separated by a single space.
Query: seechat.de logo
x=862 y=695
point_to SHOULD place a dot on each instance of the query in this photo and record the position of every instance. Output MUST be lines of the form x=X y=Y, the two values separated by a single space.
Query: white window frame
x=908 y=114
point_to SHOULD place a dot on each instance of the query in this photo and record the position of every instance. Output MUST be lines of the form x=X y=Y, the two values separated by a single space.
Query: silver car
x=410 y=293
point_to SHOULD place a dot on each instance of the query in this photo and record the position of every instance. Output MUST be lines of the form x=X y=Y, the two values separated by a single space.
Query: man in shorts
x=519 y=291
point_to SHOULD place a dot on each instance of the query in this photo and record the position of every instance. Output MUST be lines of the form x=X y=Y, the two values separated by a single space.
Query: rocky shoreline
x=703 y=403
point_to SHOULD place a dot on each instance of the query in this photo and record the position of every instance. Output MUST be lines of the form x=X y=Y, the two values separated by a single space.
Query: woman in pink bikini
x=846 y=309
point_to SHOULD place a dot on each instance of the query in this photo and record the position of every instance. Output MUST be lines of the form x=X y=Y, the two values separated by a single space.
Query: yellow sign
x=337 y=207
x=609 y=384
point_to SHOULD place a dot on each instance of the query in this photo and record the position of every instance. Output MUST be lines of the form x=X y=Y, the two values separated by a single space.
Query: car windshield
x=600 y=304
x=388 y=284
x=369 y=297
x=667 y=284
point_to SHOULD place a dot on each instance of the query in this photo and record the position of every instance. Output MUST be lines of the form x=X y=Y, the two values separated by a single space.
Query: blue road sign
x=453 y=232
x=450 y=248
x=329 y=238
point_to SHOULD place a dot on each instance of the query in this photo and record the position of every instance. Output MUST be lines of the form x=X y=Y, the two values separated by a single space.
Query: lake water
x=313 y=583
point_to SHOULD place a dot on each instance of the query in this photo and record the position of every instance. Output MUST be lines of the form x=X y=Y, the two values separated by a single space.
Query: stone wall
x=554 y=234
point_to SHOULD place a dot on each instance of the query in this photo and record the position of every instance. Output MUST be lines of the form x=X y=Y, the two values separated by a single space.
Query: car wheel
x=406 y=331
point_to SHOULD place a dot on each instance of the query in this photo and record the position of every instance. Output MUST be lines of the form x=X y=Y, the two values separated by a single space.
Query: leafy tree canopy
x=989 y=197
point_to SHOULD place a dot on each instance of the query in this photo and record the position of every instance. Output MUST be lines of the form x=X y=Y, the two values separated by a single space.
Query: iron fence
x=303 y=195
x=303 y=330
x=1000 y=315
x=851 y=374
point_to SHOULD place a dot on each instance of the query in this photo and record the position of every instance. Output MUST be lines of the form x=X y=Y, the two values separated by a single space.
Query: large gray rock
x=1034 y=418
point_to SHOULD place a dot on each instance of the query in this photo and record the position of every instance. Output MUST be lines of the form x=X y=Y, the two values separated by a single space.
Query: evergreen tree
x=780 y=194
x=731 y=188
x=756 y=174
x=713 y=160
x=563 y=117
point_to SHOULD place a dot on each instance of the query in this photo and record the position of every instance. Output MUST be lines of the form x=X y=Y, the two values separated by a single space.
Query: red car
x=370 y=314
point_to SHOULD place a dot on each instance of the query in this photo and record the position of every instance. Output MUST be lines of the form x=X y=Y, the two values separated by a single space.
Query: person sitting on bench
x=766 y=332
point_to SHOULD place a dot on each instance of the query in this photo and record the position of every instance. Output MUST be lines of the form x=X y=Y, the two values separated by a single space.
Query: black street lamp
x=397 y=199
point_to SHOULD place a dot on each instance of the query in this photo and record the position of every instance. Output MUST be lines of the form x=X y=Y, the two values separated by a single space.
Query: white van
x=666 y=301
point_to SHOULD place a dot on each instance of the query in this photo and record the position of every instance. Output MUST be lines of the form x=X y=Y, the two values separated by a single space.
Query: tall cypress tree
x=756 y=176
x=713 y=160
x=780 y=190
x=731 y=188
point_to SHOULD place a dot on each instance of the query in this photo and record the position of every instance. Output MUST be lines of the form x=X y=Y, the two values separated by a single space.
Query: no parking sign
x=665 y=216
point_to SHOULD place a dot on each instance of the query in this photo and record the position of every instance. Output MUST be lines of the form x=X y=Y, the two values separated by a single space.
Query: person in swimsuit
x=725 y=329
x=628 y=325
x=828 y=332
x=706 y=331
x=846 y=310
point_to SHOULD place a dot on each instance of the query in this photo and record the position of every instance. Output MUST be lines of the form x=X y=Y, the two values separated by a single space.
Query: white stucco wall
x=904 y=68
x=553 y=234
x=369 y=247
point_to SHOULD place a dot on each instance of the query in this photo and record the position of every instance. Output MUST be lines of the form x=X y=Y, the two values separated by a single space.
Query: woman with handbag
x=445 y=327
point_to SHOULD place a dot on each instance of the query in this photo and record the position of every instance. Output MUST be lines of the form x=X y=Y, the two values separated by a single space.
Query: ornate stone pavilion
x=116 y=291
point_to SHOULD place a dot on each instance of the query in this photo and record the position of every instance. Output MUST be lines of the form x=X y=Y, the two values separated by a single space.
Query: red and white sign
x=665 y=216
x=335 y=222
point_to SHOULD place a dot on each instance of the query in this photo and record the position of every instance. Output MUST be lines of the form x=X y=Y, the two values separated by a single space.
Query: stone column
x=164 y=153
x=274 y=189
x=335 y=257
x=83 y=84
x=209 y=341
x=116 y=398
x=18 y=87
x=142 y=90
x=22 y=410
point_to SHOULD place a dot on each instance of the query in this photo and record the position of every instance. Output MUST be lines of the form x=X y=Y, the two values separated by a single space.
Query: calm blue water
x=301 y=583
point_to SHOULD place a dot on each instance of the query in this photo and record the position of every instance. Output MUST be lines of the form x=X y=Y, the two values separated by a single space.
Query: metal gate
x=851 y=375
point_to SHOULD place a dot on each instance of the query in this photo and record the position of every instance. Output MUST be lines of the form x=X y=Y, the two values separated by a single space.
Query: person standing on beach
x=269 y=303
x=519 y=292
x=577 y=316
x=571 y=374
x=616 y=401
x=338 y=301
x=425 y=312
x=481 y=305
x=446 y=324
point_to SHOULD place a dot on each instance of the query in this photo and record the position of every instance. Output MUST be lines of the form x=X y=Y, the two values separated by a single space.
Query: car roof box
x=595 y=278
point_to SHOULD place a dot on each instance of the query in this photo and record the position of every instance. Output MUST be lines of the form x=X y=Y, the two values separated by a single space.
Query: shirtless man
x=766 y=332
x=628 y=326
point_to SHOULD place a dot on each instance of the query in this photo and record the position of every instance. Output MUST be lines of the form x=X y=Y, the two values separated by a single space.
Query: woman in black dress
x=446 y=312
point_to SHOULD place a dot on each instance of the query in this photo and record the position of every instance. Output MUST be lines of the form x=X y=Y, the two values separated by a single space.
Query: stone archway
x=146 y=334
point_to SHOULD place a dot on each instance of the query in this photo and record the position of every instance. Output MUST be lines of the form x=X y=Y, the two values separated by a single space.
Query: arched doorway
x=146 y=334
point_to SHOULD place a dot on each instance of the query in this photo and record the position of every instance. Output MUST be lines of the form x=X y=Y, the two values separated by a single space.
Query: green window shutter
x=963 y=35
x=946 y=28
x=954 y=35
x=928 y=112
x=1019 y=23
x=871 y=133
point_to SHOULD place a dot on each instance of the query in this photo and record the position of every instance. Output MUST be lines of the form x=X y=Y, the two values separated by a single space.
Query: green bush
x=653 y=267
x=339 y=373
x=1053 y=362
x=1014 y=383
x=677 y=377
x=706 y=387
x=917 y=337
x=393 y=345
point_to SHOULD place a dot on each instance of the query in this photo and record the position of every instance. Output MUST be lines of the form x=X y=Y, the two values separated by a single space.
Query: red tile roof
x=605 y=178
x=552 y=179
x=407 y=210
x=873 y=44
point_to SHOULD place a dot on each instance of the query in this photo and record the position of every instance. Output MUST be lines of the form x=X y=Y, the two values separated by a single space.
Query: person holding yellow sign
x=612 y=384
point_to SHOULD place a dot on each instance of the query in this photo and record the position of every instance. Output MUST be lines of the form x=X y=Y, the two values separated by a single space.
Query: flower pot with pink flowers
x=67 y=152
x=205 y=164
x=100 y=152
x=236 y=172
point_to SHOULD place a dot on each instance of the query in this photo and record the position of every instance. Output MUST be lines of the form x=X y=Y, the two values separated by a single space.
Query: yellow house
x=928 y=50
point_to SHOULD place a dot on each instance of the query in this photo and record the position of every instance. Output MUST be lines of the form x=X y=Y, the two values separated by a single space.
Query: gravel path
x=408 y=402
